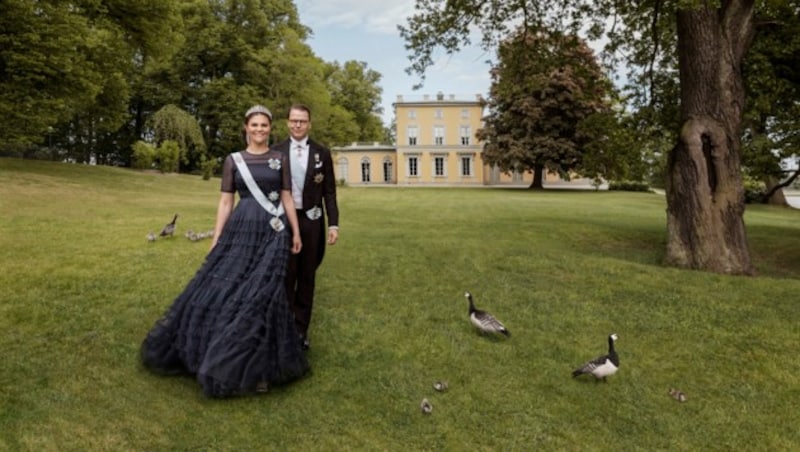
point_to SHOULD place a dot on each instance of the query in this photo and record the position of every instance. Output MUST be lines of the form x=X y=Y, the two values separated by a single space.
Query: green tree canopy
x=172 y=123
x=772 y=75
x=707 y=40
x=356 y=88
x=543 y=86
x=69 y=61
x=86 y=77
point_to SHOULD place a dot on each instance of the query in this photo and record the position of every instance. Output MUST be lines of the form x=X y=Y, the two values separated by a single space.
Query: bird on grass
x=677 y=395
x=169 y=229
x=602 y=366
x=426 y=407
x=484 y=321
x=151 y=237
x=440 y=386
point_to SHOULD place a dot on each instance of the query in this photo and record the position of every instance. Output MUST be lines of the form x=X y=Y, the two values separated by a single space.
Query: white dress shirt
x=299 y=156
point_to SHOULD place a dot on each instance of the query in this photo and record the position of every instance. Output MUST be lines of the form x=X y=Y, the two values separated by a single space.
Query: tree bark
x=705 y=193
x=538 y=178
x=775 y=194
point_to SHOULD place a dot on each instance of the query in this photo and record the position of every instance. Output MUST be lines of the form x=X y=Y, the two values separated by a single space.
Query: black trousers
x=302 y=270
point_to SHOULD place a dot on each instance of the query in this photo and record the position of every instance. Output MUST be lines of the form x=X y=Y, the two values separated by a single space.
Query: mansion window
x=342 y=163
x=412 y=114
x=465 y=132
x=438 y=114
x=387 y=170
x=413 y=166
x=465 y=113
x=438 y=135
x=412 y=136
x=439 y=167
x=466 y=166
x=365 y=170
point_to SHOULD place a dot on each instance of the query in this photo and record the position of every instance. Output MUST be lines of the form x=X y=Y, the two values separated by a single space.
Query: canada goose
x=426 y=407
x=151 y=237
x=602 y=366
x=484 y=321
x=169 y=229
x=440 y=386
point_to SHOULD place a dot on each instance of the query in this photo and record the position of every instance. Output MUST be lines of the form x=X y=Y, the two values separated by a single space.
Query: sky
x=365 y=30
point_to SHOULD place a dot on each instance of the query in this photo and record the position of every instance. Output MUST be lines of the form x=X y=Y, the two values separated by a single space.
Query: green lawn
x=562 y=269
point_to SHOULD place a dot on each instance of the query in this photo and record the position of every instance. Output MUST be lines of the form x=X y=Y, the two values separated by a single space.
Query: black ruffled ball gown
x=231 y=327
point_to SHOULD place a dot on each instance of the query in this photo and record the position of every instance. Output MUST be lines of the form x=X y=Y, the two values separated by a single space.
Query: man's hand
x=333 y=236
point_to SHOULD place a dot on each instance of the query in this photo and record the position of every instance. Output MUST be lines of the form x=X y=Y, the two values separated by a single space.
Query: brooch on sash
x=314 y=213
x=276 y=224
x=275 y=164
x=273 y=196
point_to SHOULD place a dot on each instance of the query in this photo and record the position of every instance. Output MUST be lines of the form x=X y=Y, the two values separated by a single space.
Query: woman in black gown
x=231 y=327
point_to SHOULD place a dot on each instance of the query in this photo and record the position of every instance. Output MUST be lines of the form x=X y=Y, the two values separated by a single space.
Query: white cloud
x=375 y=17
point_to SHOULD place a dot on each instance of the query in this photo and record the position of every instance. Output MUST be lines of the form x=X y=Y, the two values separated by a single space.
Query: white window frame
x=366 y=170
x=434 y=167
x=467 y=170
x=412 y=166
x=343 y=170
x=438 y=135
x=465 y=133
x=412 y=133
x=388 y=169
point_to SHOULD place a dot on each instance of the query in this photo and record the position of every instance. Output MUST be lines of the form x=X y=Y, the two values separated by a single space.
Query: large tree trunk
x=705 y=194
x=538 y=178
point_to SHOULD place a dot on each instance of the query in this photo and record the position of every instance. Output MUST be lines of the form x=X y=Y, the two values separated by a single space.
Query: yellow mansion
x=436 y=145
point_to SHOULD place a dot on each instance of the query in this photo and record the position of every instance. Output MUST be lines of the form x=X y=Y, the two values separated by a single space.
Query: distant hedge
x=628 y=186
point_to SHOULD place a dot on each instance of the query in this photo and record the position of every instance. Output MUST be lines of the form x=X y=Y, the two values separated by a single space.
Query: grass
x=562 y=269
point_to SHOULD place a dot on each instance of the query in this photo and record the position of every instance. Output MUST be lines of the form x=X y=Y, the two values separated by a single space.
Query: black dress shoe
x=304 y=343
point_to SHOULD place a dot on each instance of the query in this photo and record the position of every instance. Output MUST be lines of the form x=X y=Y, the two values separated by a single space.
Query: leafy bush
x=754 y=191
x=168 y=155
x=143 y=155
x=207 y=167
x=628 y=186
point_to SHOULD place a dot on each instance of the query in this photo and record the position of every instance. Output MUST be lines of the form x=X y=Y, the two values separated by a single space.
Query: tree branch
x=654 y=54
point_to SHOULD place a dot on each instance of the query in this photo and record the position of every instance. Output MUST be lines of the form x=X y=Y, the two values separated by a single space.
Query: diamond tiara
x=258 y=109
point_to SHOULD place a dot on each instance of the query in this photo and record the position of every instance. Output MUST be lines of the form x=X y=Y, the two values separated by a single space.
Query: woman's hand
x=297 y=244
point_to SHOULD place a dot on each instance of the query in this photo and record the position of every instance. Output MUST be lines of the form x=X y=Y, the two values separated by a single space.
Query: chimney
x=440 y=96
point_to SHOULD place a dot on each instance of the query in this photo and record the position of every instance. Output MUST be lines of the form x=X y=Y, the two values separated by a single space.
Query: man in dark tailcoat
x=314 y=193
